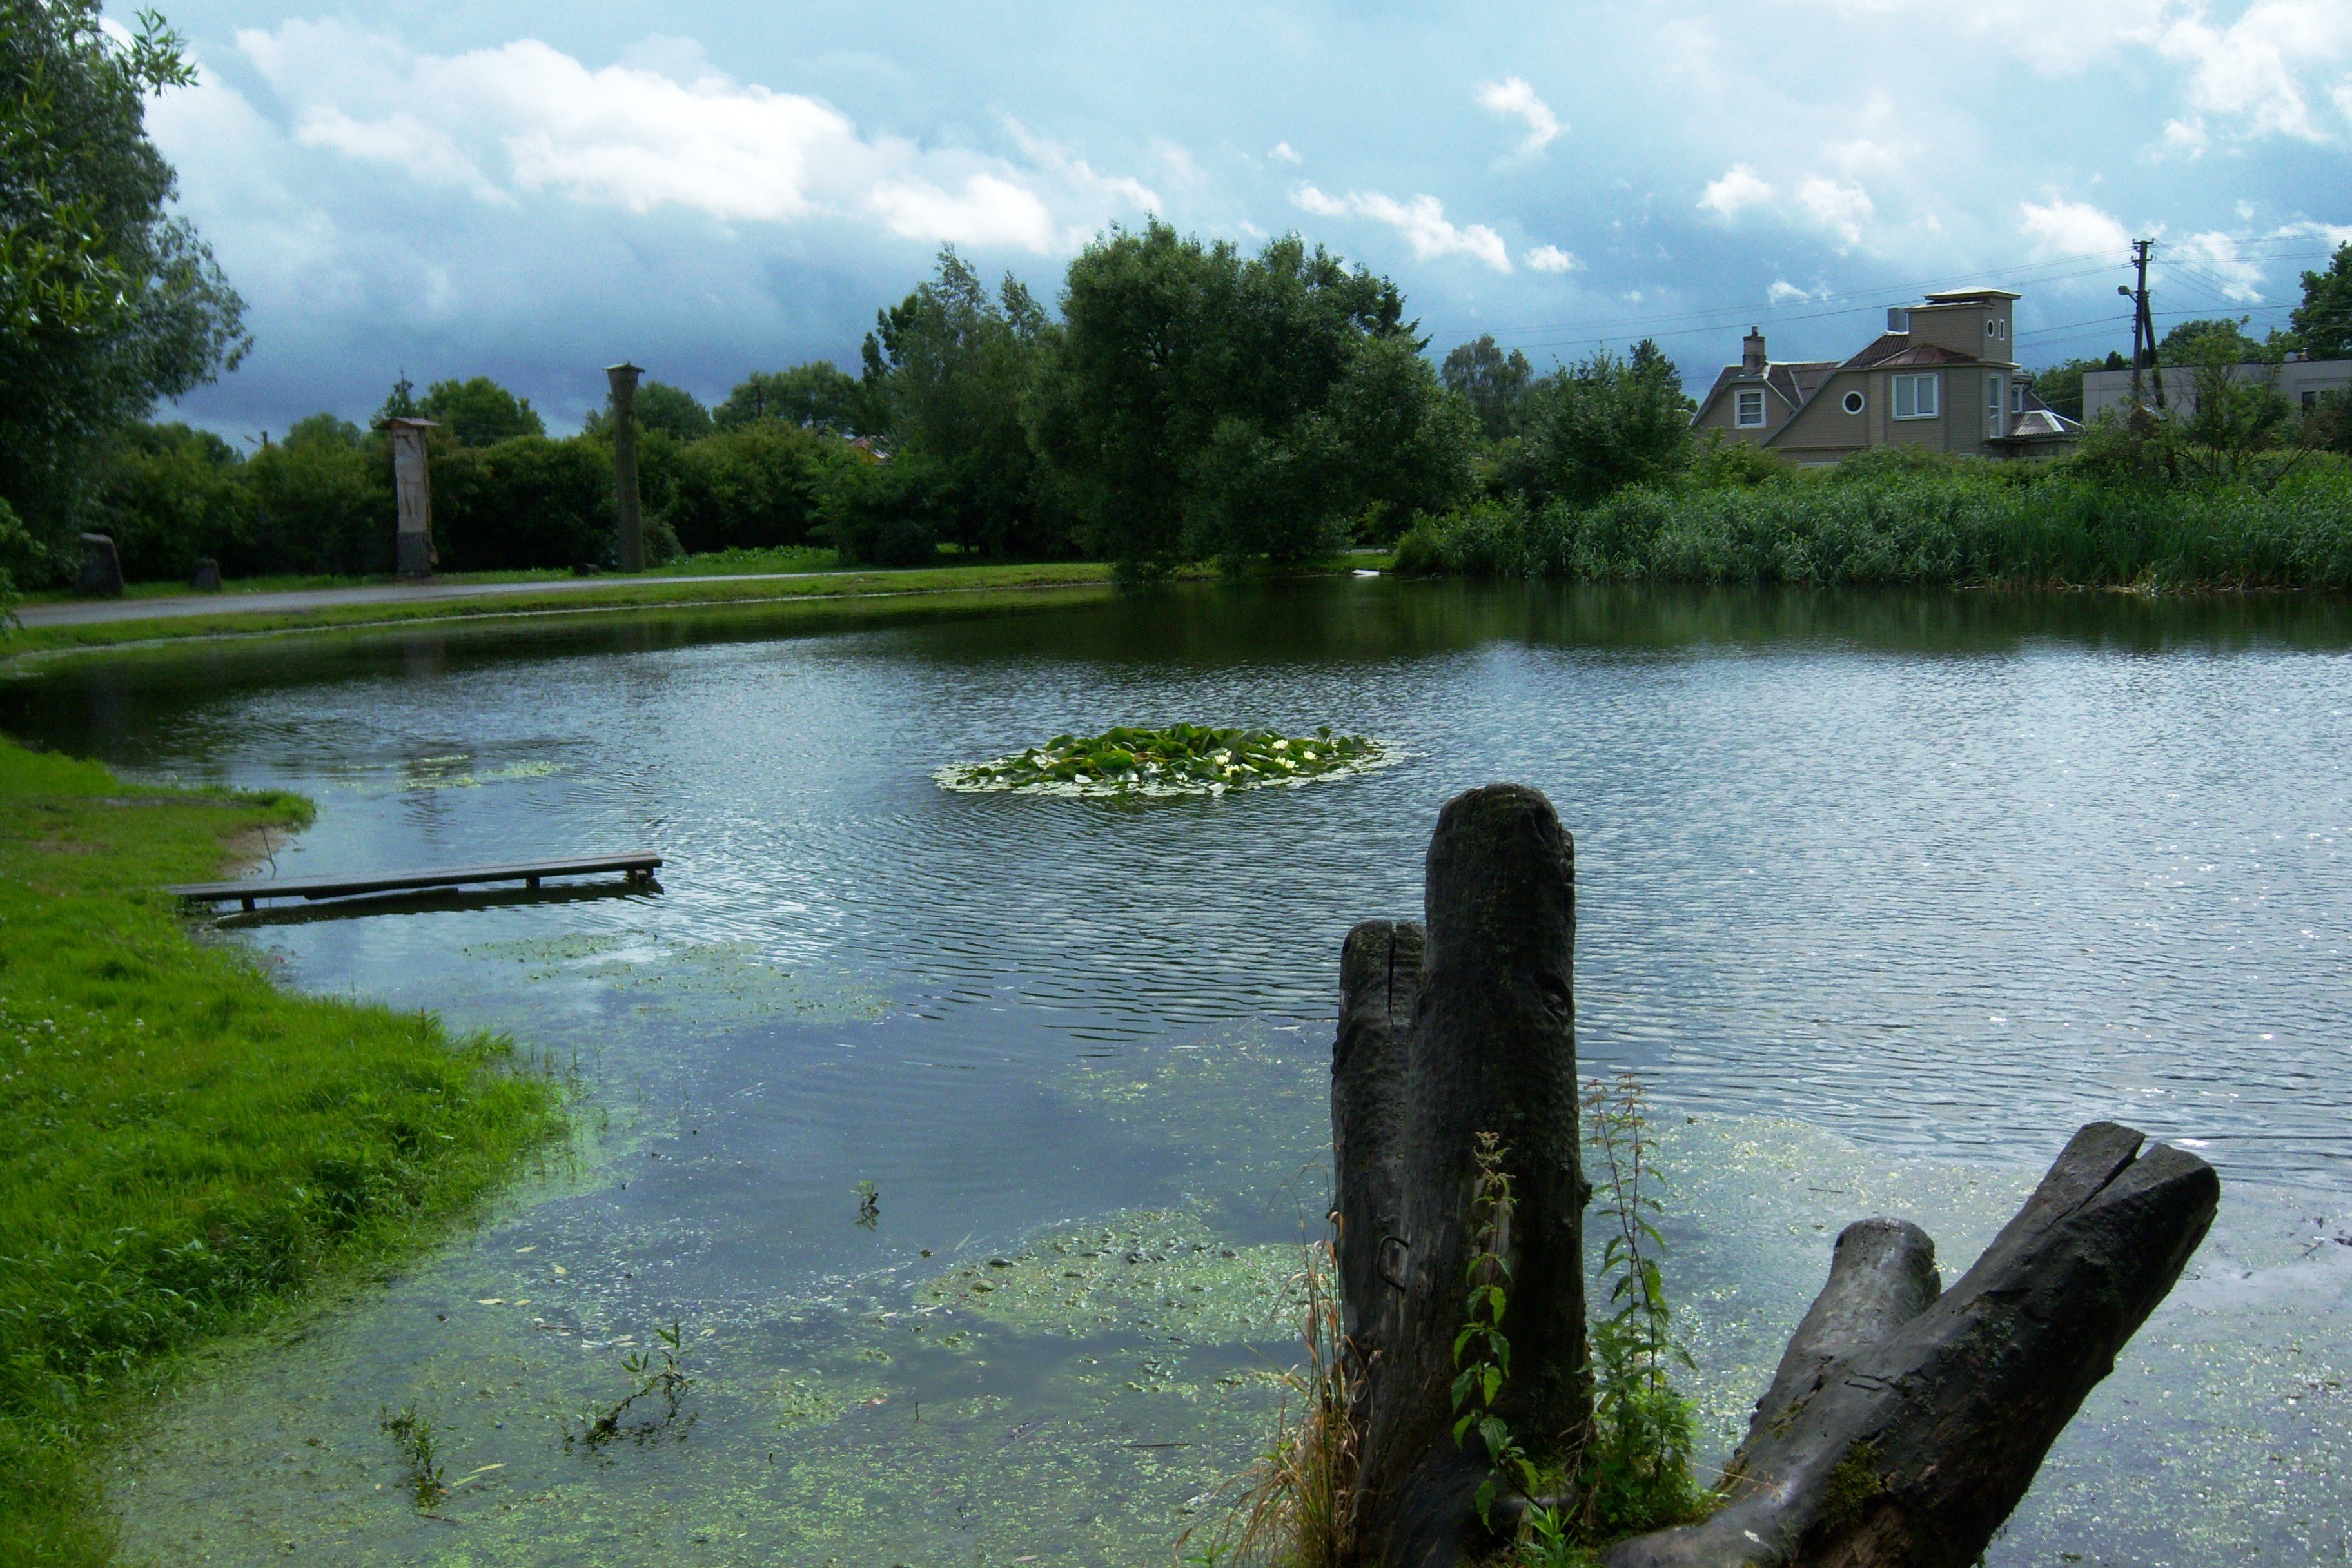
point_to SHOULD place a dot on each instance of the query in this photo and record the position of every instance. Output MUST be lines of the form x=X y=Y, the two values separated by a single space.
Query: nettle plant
x=1183 y=759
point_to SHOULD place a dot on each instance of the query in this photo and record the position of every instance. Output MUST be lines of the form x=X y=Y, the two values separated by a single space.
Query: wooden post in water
x=623 y=379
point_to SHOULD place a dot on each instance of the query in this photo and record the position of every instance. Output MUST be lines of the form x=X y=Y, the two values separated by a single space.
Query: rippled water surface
x=1888 y=892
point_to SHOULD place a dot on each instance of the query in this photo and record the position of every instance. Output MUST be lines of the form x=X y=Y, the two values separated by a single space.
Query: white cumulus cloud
x=526 y=120
x=1421 y=219
x=1550 y=258
x=1513 y=97
x=1841 y=209
x=2061 y=227
x=1739 y=186
x=2254 y=68
x=1288 y=155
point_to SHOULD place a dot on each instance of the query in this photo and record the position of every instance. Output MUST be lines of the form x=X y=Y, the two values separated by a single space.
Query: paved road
x=93 y=611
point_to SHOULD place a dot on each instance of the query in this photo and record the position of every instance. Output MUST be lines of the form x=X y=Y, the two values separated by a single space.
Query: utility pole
x=2143 y=323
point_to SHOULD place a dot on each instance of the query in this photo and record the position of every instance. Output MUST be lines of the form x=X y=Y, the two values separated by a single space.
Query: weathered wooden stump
x=1469 y=1030
x=1904 y=1423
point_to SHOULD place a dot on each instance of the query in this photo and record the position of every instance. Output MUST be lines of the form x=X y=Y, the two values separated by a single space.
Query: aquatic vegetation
x=1150 y=1272
x=1292 y=1505
x=870 y=1205
x=413 y=1435
x=1480 y=1351
x=666 y=1379
x=1183 y=759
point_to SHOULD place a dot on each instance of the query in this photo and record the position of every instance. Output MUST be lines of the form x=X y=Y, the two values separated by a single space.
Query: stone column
x=412 y=552
x=623 y=377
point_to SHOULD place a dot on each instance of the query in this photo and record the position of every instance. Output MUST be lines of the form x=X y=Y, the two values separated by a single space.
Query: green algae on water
x=1183 y=759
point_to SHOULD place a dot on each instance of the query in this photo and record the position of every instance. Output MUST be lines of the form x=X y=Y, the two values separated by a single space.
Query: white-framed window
x=1915 y=397
x=1748 y=408
x=1853 y=402
x=1993 y=426
x=2017 y=397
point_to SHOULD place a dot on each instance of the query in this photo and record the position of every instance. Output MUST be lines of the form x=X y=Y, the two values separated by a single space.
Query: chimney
x=1752 y=350
x=1898 y=318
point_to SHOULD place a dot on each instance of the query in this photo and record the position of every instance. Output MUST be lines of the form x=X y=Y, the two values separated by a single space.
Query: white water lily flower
x=1282 y=745
x=1082 y=779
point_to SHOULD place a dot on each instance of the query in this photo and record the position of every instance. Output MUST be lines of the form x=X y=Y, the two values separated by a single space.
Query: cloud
x=1421 y=220
x=2215 y=259
x=2064 y=228
x=1550 y=258
x=2253 y=69
x=1284 y=150
x=1843 y=209
x=1739 y=186
x=1784 y=292
x=526 y=120
x=1512 y=96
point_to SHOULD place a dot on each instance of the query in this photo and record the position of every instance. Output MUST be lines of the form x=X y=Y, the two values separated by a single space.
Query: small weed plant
x=1291 y=1509
x=654 y=1372
x=413 y=1434
x=870 y=1205
x=1482 y=1355
x=1636 y=1471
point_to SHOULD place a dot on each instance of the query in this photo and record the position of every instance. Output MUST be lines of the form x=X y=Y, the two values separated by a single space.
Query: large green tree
x=818 y=394
x=479 y=412
x=1601 y=424
x=1493 y=383
x=1200 y=402
x=107 y=302
x=949 y=368
x=2323 y=322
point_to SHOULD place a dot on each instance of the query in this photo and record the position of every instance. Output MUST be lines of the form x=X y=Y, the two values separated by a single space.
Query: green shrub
x=522 y=502
x=319 y=505
x=168 y=495
x=752 y=486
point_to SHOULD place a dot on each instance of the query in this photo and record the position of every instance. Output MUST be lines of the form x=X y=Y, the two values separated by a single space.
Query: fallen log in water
x=1903 y=1426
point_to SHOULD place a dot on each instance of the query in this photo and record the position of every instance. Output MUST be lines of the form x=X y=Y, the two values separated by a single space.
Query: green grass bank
x=185 y=1148
x=985 y=587
x=1894 y=519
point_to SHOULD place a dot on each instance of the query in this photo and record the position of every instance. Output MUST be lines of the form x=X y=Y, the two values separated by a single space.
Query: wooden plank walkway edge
x=639 y=866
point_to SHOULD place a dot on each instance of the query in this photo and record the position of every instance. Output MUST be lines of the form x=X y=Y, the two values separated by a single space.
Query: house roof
x=1961 y=296
x=1896 y=348
x=2043 y=425
x=1794 y=380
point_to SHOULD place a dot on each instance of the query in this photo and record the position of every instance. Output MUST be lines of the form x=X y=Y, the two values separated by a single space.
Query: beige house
x=1941 y=376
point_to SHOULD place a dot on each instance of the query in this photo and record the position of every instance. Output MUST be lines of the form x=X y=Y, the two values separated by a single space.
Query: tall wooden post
x=623 y=377
x=412 y=553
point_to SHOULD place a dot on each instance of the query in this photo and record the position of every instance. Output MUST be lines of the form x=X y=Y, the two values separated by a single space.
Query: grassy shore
x=185 y=1148
x=591 y=596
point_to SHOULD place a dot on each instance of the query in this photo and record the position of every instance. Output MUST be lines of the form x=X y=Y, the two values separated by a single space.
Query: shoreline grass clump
x=185 y=1148
x=1183 y=759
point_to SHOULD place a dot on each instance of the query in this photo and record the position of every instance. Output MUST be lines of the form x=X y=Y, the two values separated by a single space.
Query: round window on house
x=1853 y=402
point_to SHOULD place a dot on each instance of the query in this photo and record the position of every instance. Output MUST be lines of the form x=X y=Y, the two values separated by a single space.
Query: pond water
x=1881 y=895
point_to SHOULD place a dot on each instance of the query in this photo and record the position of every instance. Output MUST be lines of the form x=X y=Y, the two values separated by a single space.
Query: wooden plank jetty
x=640 y=868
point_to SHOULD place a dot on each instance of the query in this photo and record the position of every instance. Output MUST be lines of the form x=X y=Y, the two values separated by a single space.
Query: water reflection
x=1942 y=874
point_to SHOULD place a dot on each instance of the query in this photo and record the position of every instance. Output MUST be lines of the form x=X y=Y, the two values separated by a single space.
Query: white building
x=2300 y=381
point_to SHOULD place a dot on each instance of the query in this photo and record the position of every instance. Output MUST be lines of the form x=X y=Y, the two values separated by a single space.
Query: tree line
x=1179 y=400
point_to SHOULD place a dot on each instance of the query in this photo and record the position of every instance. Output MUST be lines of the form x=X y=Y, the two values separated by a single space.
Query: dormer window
x=1748 y=408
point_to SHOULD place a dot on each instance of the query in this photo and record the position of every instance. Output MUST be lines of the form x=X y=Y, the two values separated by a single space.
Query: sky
x=532 y=191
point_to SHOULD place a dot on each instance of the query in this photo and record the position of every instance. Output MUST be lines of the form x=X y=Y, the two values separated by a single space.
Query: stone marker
x=206 y=577
x=412 y=553
x=101 y=568
x=623 y=379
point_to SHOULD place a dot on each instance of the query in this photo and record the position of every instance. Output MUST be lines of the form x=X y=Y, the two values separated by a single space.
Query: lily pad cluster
x=1183 y=759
